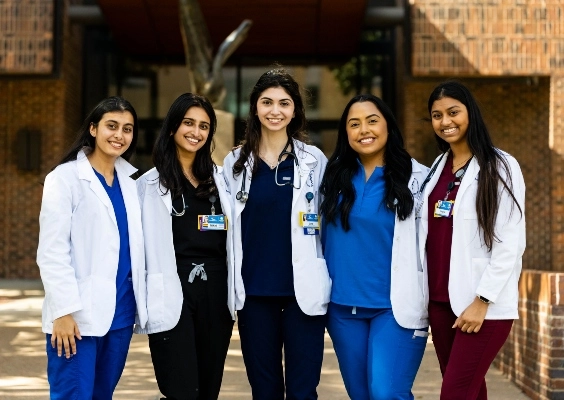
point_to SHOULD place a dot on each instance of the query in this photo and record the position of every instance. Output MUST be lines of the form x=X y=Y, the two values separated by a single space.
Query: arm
x=54 y=261
x=505 y=255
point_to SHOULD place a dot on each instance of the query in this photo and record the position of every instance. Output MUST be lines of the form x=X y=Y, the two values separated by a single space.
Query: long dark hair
x=342 y=166
x=85 y=139
x=489 y=159
x=274 y=78
x=165 y=153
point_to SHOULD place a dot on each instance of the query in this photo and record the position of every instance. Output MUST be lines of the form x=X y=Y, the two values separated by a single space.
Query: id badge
x=443 y=208
x=311 y=231
x=309 y=220
x=212 y=222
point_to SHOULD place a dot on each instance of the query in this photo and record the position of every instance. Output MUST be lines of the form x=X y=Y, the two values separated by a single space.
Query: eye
x=187 y=122
x=204 y=127
x=372 y=121
x=284 y=103
x=112 y=126
x=353 y=124
x=454 y=112
x=436 y=116
x=266 y=102
x=128 y=129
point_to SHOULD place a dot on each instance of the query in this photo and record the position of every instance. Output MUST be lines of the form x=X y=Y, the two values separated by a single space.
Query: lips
x=116 y=145
x=449 y=131
x=367 y=140
x=192 y=140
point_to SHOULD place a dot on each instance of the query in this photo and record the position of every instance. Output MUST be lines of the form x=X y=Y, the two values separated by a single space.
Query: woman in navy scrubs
x=281 y=280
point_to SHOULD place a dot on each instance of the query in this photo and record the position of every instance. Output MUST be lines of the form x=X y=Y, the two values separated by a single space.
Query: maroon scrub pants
x=465 y=358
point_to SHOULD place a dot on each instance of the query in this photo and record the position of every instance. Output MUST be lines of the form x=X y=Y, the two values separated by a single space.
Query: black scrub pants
x=189 y=359
x=269 y=325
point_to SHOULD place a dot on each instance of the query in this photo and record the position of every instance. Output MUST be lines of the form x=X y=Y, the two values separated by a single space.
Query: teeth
x=192 y=140
x=449 y=130
x=367 y=140
x=116 y=145
x=275 y=120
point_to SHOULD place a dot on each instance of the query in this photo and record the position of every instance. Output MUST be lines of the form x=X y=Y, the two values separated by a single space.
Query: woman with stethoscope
x=472 y=236
x=185 y=211
x=281 y=280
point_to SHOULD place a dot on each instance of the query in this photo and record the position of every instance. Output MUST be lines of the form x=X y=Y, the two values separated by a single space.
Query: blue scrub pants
x=266 y=325
x=93 y=373
x=378 y=358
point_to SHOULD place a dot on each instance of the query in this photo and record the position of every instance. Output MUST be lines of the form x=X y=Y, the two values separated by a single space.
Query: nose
x=364 y=127
x=275 y=109
x=446 y=120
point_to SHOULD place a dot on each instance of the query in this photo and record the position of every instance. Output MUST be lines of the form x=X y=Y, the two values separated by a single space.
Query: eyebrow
x=450 y=108
x=116 y=122
x=268 y=98
x=370 y=116
x=192 y=119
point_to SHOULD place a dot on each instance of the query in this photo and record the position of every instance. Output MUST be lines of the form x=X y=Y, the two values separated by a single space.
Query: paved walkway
x=23 y=376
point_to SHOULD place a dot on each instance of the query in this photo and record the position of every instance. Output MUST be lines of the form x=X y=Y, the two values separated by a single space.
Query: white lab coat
x=164 y=291
x=312 y=284
x=79 y=242
x=473 y=270
x=408 y=286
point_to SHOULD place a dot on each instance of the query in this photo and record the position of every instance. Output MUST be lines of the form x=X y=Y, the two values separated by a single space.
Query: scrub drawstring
x=197 y=270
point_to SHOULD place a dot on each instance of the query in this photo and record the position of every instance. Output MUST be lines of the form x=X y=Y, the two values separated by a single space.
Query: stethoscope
x=242 y=195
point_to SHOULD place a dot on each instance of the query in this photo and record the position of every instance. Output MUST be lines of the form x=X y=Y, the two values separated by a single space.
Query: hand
x=64 y=331
x=472 y=317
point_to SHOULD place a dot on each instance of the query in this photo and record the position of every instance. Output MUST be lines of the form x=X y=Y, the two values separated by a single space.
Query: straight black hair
x=490 y=160
x=165 y=156
x=337 y=185
x=85 y=139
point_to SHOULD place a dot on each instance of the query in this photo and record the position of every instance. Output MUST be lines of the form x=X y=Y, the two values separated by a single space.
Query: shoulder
x=417 y=167
x=64 y=172
x=313 y=150
x=149 y=177
x=232 y=156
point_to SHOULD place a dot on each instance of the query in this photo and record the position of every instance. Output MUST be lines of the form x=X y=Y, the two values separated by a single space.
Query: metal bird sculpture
x=205 y=71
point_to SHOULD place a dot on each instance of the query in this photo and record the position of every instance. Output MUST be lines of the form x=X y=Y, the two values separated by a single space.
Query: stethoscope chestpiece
x=242 y=196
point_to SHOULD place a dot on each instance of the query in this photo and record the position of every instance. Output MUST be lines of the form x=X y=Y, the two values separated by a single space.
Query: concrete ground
x=23 y=375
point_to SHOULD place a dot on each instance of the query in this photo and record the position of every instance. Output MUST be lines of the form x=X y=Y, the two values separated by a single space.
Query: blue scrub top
x=124 y=315
x=359 y=261
x=267 y=268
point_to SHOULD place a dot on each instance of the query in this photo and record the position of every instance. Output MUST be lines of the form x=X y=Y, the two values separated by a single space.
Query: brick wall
x=533 y=355
x=52 y=106
x=497 y=37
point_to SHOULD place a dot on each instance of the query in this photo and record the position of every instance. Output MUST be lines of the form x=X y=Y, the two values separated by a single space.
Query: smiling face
x=275 y=109
x=193 y=131
x=367 y=132
x=113 y=134
x=450 y=120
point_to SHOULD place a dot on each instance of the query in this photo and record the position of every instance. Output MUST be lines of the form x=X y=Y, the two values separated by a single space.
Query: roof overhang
x=315 y=29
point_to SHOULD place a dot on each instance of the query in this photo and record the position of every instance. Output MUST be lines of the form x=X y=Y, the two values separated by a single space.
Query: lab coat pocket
x=155 y=298
x=84 y=316
x=478 y=267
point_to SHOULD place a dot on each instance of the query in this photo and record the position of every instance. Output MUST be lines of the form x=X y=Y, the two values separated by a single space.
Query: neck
x=273 y=142
x=102 y=163
x=461 y=152
x=186 y=162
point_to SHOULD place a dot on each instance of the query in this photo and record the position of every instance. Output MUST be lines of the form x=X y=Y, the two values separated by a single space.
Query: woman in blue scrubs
x=377 y=316
x=90 y=256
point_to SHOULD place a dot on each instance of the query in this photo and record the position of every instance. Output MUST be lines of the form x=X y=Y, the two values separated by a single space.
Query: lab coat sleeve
x=510 y=229
x=62 y=295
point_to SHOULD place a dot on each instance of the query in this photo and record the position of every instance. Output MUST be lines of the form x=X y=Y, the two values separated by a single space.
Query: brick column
x=533 y=356
x=556 y=144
